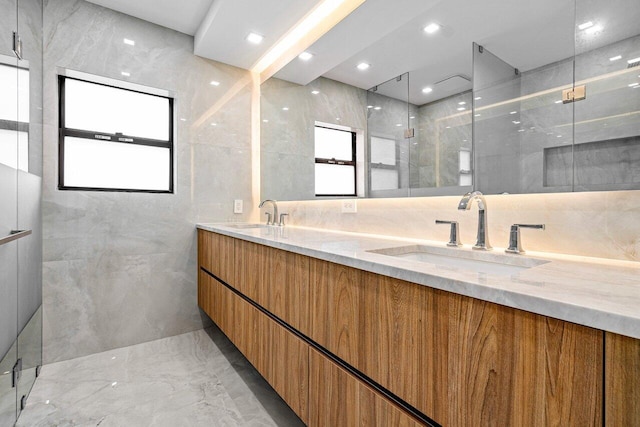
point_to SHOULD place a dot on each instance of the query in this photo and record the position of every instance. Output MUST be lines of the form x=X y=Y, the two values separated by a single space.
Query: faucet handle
x=268 y=214
x=282 y=215
x=454 y=234
x=515 y=242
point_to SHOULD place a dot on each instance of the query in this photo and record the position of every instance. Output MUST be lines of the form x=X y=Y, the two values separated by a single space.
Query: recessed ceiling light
x=377 y=108
x=265 y=121
x=461 y=103
x=427 y=90
x=214 y=124
x=129 y=42
x=513 y=112
x=363 y=66
x=634 y=60
x=285 y=108
x=214 y=83
x=305 y=56
x=558 y=101
x=477 y=115
x=515 y=122
x=412 y=117
x=559 y=136
x=478 y=98
x=448 y=127
x=461 y=108
x=585 y=25
x=183 y=119
x=634 y=84
x=369 y=106
x=431 y=28
x=520 y=130
x=255 y=38
x=398 y=124
x=315 y=92
x=125 y=73
x=615 y=58
x=338 y=118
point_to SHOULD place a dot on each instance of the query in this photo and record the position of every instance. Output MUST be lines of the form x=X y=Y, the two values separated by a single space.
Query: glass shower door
x=8 y=213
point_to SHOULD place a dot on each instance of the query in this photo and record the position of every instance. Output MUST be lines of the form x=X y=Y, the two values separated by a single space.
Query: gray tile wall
x=120 y=268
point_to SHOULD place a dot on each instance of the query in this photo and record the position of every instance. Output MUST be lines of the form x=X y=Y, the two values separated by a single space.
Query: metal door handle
x=14 y=235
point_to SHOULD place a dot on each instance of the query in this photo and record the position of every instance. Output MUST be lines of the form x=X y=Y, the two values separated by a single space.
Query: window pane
x=383 y=151
x=335 y=179
x=99 y=164
x=12 y=80
x=333 y=144
x=14 y=149
x=384 y=179
x=98 y=108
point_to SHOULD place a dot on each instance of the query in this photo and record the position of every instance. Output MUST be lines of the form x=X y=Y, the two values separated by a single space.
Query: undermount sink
x=245 y=226
x=477 y=261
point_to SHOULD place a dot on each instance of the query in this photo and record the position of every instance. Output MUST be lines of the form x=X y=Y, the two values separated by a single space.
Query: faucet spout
x=482 y=241
x=275 y=210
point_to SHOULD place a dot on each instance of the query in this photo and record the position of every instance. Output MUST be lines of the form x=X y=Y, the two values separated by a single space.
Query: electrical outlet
x=237 y=206
x=350 y=206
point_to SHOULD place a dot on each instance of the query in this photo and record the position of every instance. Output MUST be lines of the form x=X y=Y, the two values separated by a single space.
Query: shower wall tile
x=120 y=268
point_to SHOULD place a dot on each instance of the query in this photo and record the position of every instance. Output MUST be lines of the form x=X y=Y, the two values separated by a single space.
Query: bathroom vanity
x=354 y=329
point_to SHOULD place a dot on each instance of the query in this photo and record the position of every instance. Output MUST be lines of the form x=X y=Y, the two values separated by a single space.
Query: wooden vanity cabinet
x=458 y=360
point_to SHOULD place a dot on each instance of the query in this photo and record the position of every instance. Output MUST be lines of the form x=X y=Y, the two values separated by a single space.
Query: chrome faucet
x=275 y=211
x=482 y=241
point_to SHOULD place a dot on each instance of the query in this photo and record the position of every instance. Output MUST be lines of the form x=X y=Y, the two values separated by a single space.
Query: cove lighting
x=363 y=66
x=615 y=58
x=305 y=56
x=427 y=90
x=585 y=25
x=431 y=28
x=254 y=38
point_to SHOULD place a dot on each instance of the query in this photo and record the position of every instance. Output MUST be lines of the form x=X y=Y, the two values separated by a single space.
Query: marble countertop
x=595 y=292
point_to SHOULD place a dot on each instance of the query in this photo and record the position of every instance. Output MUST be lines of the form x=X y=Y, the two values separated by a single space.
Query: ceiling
x=389 y=35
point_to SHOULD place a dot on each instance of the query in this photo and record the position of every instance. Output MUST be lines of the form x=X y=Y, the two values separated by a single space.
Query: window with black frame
x=114 y=138
x=335 y=170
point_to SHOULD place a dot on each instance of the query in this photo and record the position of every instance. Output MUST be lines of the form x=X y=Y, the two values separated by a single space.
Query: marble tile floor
x=193 y=379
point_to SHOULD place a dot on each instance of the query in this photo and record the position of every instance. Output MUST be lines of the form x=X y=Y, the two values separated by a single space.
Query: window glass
x=384 y=179
x=335 y=180
x=333 y=144
x=383 y=151
x=105 y=164
x=98 y=108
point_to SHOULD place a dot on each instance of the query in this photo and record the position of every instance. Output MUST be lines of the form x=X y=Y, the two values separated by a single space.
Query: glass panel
x=607 y=123
x=333 y=144
x=14 y=154
x=335 y=179
x=384 y=179
x=99 y=164
x=388 y=118
x=98 y=108
x=519 y=120
x=383 y=151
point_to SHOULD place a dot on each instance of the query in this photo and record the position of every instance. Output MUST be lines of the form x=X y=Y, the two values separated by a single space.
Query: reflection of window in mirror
x=14 y=115
x=384 y=164
x=335 y=161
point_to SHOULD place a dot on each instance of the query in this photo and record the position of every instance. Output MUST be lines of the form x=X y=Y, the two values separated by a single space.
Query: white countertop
x=595 y=292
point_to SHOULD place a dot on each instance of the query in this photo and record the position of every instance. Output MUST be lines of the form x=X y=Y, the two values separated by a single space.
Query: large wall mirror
x=441 y=97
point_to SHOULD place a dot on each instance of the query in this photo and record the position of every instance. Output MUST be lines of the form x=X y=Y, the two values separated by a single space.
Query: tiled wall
x=120 y=268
